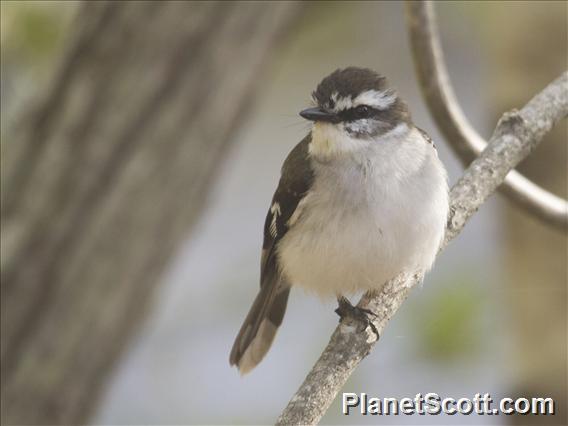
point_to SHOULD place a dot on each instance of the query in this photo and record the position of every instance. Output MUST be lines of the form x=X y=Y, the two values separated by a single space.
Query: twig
x=516 y=135
x=452 y=122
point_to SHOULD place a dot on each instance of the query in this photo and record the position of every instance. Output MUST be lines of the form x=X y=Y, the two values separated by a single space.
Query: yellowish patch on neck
x=329 y=141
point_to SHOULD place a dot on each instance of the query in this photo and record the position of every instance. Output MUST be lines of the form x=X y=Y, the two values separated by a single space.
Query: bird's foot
x=361 y=315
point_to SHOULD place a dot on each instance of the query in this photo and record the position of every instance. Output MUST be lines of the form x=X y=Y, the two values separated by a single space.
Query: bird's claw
x=361 y=315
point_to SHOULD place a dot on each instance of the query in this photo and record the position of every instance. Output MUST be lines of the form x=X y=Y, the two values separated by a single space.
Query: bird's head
x=356 y=104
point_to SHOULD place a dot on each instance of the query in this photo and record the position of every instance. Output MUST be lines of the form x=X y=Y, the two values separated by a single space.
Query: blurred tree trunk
x=535 y=254
x=104 y=179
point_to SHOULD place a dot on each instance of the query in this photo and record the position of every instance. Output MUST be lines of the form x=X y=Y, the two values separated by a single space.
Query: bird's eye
x=363 y=111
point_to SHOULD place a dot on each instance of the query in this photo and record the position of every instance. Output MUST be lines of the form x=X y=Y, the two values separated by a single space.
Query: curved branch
x=516 y=135
x=452 y=122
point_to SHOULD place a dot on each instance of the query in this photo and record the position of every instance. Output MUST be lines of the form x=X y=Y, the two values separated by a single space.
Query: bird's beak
x=318 y=114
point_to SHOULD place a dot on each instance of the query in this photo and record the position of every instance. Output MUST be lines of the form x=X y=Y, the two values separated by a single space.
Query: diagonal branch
x=516 y=135
x=452 y=122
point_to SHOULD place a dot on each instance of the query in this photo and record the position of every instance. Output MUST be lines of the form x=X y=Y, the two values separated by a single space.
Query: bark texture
x=104 y=178
x=516 y=135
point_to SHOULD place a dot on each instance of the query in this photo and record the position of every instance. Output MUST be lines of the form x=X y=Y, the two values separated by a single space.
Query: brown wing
x=266 y=314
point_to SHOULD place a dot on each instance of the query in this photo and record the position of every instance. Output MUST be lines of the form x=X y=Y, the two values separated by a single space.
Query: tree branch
x=516 y=135
x=452 y=122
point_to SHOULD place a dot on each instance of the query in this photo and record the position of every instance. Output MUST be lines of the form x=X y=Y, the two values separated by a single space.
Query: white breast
x=375 y=209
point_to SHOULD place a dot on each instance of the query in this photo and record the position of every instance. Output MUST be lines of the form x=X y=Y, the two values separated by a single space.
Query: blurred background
x=141 y=145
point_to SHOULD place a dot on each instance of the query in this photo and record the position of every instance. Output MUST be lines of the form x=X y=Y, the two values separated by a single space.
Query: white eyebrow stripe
x=341 y=103
x=380 y=100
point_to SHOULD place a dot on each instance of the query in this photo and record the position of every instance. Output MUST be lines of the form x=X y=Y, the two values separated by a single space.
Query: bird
x=362 y=198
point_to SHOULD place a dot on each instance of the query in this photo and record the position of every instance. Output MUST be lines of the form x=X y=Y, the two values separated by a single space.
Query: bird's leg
x=346 y=309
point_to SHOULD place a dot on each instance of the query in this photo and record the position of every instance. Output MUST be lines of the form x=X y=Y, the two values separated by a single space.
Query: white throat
x=331 y=141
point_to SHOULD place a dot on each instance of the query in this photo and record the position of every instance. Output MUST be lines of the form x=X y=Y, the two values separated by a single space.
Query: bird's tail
x=259 y=328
